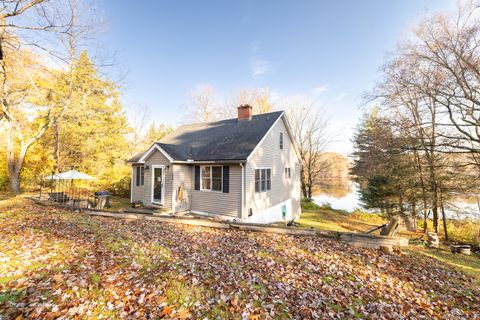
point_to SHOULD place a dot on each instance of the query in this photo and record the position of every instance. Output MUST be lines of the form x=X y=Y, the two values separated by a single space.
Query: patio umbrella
x=70 y=175
x=62 y=180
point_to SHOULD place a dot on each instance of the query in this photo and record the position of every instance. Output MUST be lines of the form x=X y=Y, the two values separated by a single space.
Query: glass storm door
x=157 y=185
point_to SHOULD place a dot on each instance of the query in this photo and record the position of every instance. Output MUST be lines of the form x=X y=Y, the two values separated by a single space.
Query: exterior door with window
x=158 y=185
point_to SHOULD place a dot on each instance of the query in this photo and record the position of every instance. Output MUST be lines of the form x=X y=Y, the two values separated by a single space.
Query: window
x=288 y=173
x=263 y=180
x=281 y=140
x=211 y=178
x=140 y=176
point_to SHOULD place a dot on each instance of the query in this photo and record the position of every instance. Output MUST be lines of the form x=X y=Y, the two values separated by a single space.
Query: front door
x=157 y=185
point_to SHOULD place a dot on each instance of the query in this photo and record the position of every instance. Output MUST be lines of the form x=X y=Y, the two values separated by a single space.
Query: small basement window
x=263 y=180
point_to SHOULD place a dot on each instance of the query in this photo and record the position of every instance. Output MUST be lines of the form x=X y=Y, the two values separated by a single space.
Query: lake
x=342 y=194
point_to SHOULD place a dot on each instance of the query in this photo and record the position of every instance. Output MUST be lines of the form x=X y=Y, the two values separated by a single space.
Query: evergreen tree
x=91 y=132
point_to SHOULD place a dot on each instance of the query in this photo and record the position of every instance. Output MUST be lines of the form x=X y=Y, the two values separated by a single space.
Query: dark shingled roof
x=228 y=140
x=136 y=157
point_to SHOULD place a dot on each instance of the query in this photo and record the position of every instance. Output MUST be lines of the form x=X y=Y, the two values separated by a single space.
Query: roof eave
x=208 y=161
x=135 y=162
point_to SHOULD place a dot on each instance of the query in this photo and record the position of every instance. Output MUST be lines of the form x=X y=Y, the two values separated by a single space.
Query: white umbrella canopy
x=70 y=175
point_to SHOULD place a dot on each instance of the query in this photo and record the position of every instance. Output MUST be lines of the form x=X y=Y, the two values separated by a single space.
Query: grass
x=462 y=231
x=118 y=203
x=467 y=264
x=326 y=218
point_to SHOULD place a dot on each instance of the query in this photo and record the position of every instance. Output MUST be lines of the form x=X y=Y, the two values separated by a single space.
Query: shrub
x=120 y=188
x=3 y=182
x=309 y=204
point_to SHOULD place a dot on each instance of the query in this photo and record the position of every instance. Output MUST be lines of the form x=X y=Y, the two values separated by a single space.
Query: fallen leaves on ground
x=62 y=264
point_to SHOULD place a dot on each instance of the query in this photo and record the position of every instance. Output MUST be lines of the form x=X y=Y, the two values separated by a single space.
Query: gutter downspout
x=243 y=193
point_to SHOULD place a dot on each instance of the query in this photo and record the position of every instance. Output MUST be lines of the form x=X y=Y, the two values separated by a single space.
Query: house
x=243 y=169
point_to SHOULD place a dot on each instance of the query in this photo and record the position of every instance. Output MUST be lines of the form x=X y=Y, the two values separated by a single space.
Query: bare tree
x=312 y=132
x=260 y=99
x=26 y=27
x=430 y=93
x=204 y=106
x=446 y=48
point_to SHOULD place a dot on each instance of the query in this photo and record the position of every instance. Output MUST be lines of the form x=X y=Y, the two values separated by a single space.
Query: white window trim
x=163 y=183
x=255 y=181
x=211 y=174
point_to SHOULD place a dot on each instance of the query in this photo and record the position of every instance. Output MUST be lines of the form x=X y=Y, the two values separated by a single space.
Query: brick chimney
x=245 y=112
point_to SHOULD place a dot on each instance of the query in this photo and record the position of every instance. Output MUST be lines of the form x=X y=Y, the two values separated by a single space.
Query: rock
x=433 y=240
x=463 y=249
x=386 y=249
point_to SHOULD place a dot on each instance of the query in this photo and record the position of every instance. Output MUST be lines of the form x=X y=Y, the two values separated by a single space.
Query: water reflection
x=339 y=193
x=343 y=194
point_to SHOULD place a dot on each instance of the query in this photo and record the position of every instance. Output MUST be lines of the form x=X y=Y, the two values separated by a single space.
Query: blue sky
x=327 y=52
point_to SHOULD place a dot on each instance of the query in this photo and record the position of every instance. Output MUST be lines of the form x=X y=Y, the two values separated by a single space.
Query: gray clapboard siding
x=227 y=204
x=157 y=158
x=181 y=178
x=269 y=155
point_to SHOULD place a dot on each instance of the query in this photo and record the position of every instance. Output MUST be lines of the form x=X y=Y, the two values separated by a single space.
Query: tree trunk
x=435 y=209
x=303 y=183
x=56 y=150
x=13 y=176
x=15 y=164
x=444 y=218
x=424 y=192
x=425 y=219
x=309 y=185
x=14 y=181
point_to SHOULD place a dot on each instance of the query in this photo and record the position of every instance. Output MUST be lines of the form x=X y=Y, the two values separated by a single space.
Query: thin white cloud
x=320 y=89
x=339 y=97
x=258 y=64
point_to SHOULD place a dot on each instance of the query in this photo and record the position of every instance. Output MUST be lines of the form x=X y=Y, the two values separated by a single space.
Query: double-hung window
x=281 y=140
x=263 y=180
x=288 y=173
x=140 y=176
x=211 y=178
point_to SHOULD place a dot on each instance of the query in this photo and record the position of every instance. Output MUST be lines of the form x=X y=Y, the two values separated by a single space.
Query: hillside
x=57 y=263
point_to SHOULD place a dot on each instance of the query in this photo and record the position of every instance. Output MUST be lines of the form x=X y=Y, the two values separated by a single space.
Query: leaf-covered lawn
x=56 y=263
